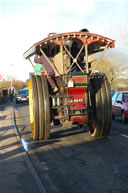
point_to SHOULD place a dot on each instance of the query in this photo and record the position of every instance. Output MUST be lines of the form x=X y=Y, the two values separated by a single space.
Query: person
x=40 y=59
x=66 y=62
x=11 y=93
x=84 y=30
x=5 y=95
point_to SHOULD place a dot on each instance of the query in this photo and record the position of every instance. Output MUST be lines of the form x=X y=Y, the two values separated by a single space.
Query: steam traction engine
x=84 y=94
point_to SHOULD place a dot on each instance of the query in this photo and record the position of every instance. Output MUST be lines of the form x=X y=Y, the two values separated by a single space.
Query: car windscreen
x=125 y=97
x=23 y=92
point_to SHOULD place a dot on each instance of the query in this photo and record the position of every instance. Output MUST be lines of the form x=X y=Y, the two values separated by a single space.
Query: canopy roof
x=95 y=42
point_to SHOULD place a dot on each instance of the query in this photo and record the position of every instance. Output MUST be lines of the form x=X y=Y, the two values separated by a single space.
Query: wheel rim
x=34 y=108
x=31 y=107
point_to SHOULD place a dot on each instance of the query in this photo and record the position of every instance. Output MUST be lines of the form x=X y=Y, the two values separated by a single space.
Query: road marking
x=115 y=140
x=24 y=144
x=124 y=135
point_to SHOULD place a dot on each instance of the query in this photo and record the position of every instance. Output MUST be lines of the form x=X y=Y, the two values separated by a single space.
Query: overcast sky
x=25 y=22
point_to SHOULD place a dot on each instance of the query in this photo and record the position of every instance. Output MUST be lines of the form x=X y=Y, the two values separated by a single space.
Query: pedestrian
x=5 y=95
x=11 y=93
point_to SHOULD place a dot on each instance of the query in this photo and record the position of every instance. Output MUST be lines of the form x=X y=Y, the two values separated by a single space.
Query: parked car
x=22 y=95
x=120 y=105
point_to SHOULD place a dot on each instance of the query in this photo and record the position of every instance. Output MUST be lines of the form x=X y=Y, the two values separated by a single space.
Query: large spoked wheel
x=34 y=108
x=46 y=102
x=101 y=106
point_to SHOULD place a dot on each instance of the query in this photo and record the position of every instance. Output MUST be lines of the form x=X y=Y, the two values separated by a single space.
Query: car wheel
x=123 y=118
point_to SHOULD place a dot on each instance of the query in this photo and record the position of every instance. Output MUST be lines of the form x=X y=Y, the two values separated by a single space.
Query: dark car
x=22 y=95
x=120 y=105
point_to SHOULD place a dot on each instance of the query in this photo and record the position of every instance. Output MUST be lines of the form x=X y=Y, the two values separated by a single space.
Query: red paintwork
x=86 y=38
x=79 y=78
x=43 y=73
x=79 y=99
x=82 y=119
x=60 y=39
x=77 y=93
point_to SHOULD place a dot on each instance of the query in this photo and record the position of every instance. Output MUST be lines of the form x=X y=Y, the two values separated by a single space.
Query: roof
x=61 y=39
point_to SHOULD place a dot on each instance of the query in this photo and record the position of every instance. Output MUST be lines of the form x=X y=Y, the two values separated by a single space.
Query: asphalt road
x=71 y=161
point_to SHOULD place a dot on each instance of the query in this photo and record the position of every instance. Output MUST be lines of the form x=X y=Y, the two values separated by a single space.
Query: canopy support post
x=62 y=58
x=52 y=64
x=86 y=58
x=99 y=59
x=31 y=62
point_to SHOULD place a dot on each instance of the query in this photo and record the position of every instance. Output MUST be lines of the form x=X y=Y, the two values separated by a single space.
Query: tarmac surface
x=71 y=161
x=15 y=176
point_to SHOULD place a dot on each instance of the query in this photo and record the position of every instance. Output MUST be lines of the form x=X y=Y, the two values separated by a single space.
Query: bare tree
x=109 y=68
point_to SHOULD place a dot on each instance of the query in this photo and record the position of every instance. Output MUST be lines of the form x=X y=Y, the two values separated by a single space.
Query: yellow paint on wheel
x=31 y=107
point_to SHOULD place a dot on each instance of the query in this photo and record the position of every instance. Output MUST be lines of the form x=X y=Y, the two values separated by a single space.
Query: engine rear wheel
x=34 y=108
x=46 y=107
x=101 y=106
x=41 y=108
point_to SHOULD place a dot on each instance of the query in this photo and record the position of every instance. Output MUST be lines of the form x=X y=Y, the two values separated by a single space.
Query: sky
x=25 y=22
